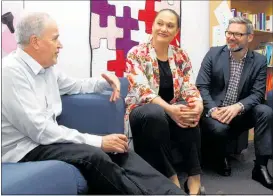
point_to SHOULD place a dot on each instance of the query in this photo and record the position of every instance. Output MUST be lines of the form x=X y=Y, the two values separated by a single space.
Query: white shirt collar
x=32 y=63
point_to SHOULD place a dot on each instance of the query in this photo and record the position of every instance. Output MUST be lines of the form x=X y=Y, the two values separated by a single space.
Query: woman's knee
x=190 y=135
x=147 y=112
x=151 y=121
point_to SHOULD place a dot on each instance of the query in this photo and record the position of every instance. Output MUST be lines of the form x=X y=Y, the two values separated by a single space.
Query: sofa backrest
x=94 y=113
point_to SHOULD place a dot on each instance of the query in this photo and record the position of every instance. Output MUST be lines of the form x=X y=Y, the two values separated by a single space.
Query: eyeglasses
x=235 y=35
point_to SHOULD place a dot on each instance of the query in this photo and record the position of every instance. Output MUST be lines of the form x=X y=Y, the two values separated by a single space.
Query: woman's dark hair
x=173 y=12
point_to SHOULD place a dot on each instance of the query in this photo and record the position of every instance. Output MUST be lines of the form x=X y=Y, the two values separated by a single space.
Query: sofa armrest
x=42 y=177
x=94 y=113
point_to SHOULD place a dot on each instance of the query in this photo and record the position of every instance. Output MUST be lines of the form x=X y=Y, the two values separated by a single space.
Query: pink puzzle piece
x=8 y=41
x=112 y=32
x=175 y=5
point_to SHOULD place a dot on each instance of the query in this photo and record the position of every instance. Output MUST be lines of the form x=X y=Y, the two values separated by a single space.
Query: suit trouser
x=218 y=135
x=125 y=173
x=153 y=130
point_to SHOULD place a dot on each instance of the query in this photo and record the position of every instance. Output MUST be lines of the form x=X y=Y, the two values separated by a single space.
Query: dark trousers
x=125 y=173
x=217 y=135
x=153 y=130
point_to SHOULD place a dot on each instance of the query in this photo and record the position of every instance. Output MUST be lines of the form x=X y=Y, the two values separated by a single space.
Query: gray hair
x=30 y=24
x=242 y=20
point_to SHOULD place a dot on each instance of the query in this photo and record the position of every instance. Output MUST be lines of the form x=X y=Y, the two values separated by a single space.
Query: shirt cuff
x=93 y=140
x=102 y=85
x=210 y=111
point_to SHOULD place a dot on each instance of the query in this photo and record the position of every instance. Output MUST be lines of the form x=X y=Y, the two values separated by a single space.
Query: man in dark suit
x=270 y=98
x=232 y=81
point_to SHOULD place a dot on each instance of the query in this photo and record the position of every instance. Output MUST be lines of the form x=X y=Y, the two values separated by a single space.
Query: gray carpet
x=239 y=182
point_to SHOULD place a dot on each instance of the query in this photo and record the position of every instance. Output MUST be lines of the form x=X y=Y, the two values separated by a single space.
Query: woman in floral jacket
x=163 y=104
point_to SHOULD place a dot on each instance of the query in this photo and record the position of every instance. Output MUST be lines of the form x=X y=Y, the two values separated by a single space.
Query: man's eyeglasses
x=236 y=35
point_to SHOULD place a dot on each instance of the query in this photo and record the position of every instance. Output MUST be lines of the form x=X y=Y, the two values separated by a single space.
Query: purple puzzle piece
x=127 y=23
x=103 y=9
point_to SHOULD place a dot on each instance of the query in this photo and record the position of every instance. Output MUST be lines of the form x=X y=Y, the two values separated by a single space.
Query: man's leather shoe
x=224 y=167
x=260 y=173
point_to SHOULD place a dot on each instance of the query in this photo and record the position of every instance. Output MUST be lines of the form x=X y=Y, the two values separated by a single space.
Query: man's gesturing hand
x=115 y=84
x=114 y=143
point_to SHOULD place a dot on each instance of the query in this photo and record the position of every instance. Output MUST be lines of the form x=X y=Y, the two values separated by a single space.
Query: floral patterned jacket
x=142 y=72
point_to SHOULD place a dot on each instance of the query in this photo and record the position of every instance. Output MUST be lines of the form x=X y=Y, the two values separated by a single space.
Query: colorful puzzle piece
x=118 y=65
x=111 y=32
x=128 y=24
x=133 y=18
x=175 y=5
x=98 y=62
x=147 y=15
x=140 y=35
x=103 y=9
x=137 y=5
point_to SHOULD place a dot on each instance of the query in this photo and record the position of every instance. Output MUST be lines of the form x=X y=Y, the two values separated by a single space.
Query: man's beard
x=237 y=49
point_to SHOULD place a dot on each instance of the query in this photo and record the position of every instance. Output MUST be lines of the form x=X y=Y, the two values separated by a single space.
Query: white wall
x=73 y=20
x=195 y=31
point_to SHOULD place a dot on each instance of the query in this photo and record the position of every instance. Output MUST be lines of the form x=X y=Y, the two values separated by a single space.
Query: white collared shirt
x=31 y=102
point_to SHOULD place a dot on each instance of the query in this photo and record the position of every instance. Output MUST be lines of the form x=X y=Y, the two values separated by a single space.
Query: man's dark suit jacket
x=213 y=78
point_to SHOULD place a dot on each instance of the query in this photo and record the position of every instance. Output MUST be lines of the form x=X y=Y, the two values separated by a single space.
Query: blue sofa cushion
x=43 y=177
x=94 y=113
x=97 y=114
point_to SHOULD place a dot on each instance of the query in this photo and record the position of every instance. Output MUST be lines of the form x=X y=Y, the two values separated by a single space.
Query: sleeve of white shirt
x=27 y=116
x=69 y=85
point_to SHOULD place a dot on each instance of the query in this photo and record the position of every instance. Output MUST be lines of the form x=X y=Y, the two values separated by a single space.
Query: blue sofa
x=89 y=113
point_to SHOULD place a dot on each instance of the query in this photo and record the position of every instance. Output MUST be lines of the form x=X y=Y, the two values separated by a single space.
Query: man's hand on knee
x=226 y=114
x=114 y=143
x=216 y=114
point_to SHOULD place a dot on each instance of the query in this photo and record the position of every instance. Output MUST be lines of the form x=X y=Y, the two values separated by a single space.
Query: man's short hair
x=30 y=24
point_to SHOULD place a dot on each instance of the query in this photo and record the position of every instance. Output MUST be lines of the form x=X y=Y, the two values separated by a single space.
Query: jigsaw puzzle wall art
x=117 y=26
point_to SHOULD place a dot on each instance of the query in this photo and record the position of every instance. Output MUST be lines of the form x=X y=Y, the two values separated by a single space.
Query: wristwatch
x=242 y=108
x=210 y=111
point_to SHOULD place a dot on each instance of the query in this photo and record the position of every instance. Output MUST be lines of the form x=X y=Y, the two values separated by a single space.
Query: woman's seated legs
x=189 y=141
x=151 y=135
x=153 y=131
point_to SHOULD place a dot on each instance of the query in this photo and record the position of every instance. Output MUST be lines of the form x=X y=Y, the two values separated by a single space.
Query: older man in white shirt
x=31 y=89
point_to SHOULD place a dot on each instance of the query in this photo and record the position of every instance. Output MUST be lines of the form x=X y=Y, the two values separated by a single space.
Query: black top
x=166 y=81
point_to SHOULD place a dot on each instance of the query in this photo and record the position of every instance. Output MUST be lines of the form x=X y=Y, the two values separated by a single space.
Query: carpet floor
x=239 y=183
